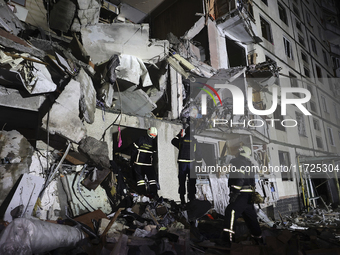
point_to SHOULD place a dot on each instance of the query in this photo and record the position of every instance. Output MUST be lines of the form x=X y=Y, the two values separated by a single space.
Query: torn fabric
x=132 y=69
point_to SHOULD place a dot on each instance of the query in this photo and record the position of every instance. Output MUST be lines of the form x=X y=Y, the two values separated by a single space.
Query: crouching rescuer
x=241 y=184
x=143 y=156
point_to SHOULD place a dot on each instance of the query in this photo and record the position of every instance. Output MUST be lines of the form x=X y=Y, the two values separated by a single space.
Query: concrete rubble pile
x=59 y=185
x=313 y=232
x=65 y=178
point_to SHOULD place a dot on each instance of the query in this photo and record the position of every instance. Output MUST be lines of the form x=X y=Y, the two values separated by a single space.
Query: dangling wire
x=119 y=135
x=78 y=186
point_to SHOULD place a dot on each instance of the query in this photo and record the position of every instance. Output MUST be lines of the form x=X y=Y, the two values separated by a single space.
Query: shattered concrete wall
x=63 y=117
x=167 y=153
x=102 y=41
x=87 y=14
x=87 y=97
x=15 y=156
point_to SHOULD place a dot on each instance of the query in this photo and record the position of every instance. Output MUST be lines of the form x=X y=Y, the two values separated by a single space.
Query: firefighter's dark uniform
x=143 y=154
x=240 y=184
x=188 y=158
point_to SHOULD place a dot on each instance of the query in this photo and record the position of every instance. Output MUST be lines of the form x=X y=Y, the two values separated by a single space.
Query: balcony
x=235 y=18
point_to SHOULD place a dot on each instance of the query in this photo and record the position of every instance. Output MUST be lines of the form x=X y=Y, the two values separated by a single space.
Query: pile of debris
x=152 y=227
x=62 y=77
x=60 y=190
x=58 y=80
x=313 y=232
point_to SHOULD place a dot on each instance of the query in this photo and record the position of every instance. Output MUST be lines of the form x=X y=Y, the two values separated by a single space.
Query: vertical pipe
x=308 y=193
x=312 y=190
x=301 y=180
x=336 y=179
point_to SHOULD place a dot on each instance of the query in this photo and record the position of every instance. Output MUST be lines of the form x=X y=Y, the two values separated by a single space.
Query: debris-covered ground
x=60 y=191
x=144 y=226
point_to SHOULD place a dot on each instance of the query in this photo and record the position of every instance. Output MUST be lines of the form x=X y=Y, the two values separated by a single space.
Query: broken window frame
x=284 y=160
x=296 y=11
x=200 y=40
x=266 y=30
x=301 y=40
x=324 y=103
x=277 y=115
x=313 y=106
x=318 y=72
x=301 y=124
x=288 y=48
x=330 y=136
x=283 y=13
x=241 y=59
x=306 y=71
x=298 y=25
x=316 y=124
x=319 y=142
x=304 y=57
x=294 y=83
x=313 y=44
x=325 y=59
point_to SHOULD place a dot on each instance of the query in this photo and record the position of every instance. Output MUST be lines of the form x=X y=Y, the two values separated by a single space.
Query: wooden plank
x=103 y=236
x=75 y=158
x=87 y=218
x=27 y=58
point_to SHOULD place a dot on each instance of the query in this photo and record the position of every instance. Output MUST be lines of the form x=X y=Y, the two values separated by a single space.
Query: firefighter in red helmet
x=144 y=153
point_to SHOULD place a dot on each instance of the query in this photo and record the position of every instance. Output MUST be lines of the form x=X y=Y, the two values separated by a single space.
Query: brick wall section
x=285 y=207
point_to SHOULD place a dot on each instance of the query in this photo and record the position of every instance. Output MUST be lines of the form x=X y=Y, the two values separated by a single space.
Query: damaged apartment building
x=82 y=80
x=267 y=45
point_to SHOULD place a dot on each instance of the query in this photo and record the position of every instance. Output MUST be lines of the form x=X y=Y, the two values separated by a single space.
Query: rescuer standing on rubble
x=144 y=153
x=188 y=157
x=241 y=184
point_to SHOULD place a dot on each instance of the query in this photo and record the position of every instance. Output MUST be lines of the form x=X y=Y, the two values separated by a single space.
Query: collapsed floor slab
x=63 y=118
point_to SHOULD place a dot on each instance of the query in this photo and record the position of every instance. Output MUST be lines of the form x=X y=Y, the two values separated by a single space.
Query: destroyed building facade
x=300 y=39
x=112 y=76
